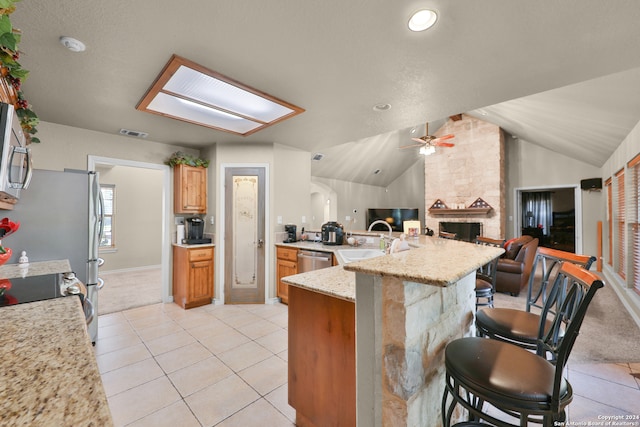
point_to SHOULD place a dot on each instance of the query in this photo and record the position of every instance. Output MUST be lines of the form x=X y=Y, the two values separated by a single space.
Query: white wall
x=532 y=166
x=289 y=191
x=68 y=147
x=138 y=219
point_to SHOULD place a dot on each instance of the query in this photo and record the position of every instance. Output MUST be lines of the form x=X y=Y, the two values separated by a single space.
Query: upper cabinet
x=190 y=189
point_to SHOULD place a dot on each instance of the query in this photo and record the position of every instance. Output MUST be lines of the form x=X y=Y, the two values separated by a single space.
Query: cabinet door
x=285 y=268
x=190 y=186
x=200 y=281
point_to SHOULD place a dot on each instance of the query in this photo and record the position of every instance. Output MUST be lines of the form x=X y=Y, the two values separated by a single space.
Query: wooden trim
x=633 y=162
x=468 y=211
x=599 y=259
x=620 y=172
x=608 y=181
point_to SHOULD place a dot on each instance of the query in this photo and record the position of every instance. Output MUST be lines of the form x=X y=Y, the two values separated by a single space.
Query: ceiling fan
x=427 y=143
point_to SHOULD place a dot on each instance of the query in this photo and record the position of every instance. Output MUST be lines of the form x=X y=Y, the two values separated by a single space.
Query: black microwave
x=15 y=156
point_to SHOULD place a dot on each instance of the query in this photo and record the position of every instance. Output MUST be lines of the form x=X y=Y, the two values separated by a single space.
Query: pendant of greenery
x=180 y=158
x=12 y=71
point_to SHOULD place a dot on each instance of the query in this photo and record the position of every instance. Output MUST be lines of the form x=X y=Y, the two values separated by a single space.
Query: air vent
x=317 y=157
x=134 y=133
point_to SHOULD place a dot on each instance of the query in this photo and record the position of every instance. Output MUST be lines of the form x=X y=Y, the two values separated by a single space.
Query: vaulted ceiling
x=561 y=74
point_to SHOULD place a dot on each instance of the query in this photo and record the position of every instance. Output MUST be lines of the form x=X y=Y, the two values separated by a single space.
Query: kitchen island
x=48 y=371
x=407 y=307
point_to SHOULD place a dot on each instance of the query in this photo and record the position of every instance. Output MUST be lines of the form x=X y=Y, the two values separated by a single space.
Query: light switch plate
x=279 y=219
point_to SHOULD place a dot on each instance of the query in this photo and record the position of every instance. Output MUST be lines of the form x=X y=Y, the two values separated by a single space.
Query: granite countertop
x=48 y=371
x=432 y=261
x=14 y=271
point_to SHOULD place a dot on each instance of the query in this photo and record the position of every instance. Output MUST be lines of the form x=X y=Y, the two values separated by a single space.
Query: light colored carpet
x=129 y=289
x=608 y=334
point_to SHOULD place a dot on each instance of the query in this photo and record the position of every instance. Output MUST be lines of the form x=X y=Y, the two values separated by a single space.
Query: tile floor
x=226 y=366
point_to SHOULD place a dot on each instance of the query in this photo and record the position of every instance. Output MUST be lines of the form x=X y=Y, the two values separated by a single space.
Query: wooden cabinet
x=286 y=265
x=322 y=359
x=190 y=189
x=192 y=276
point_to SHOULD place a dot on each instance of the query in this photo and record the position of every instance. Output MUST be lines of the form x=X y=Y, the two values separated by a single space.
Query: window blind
x=609 y=188
x=620 y=222
x=634 y=215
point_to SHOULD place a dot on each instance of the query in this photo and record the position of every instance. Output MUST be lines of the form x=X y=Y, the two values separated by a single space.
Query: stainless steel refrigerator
x=60 y=217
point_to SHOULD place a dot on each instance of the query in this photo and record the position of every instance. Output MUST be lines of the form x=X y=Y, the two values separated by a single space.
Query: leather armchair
x=514 y=269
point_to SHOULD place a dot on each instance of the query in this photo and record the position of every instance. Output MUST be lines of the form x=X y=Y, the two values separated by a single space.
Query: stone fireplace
x=458 y=176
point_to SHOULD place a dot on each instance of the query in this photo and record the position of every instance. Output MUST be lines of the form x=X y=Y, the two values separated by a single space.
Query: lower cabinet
x=192 y=276
x=286 y=265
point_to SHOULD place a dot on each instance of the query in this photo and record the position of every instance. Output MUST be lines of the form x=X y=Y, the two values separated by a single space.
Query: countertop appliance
x=60 y=217
x=44 y=287
x=291 y=233
x=332 y=233
x=15 y=156
x=312 y=260
x=195 y=231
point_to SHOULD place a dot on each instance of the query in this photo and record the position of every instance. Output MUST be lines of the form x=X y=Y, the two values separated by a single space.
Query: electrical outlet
x=347 y=218
x=279 y=219
x=212 y=220
x=304 y=219
x=179 y=220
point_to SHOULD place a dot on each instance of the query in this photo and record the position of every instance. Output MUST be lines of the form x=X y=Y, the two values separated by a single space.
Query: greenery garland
x=180 y=158
x=12 y=70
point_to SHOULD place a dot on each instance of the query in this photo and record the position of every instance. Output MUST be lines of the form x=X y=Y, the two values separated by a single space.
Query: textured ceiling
x=522 y=63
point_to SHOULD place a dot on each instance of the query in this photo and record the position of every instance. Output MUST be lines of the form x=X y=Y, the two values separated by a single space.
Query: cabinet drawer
x=287 y=253
x=200 y=254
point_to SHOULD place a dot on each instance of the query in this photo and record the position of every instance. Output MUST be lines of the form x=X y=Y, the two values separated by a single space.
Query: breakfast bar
x=406 y=307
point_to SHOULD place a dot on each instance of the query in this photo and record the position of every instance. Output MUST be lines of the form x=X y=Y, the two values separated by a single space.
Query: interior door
x=244 y=233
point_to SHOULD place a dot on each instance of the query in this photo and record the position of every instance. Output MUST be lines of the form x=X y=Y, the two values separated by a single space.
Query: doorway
x=244 y=234
x=552 y=214
x=163 y=174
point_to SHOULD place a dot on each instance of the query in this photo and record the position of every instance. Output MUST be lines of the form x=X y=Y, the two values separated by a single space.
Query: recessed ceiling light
x=72 y=44
x=192 y=93
x=422 y=20
x=382 y=107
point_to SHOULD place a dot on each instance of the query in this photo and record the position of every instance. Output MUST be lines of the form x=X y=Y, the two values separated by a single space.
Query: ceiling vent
x=317 y=157
x=133 y=133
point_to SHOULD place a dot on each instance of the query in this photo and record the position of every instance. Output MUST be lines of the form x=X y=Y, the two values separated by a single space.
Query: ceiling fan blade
x=444 y=137
x=443 y=144
x=421 y=140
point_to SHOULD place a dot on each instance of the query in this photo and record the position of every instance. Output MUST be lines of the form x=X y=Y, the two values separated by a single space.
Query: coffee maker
x=291 y=233
x=195 y=231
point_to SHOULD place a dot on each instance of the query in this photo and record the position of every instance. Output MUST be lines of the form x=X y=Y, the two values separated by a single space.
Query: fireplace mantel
x=467 y=211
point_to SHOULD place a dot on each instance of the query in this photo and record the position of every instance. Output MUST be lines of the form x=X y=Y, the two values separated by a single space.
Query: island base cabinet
x=322 y=359
x=192 y=276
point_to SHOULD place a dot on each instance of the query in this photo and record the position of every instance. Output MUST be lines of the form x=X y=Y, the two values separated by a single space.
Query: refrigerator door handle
x=101 y=220
x=100 y=261
x=100 y=284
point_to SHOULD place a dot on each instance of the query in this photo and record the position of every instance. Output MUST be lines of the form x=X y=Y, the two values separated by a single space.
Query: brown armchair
x=514 y=269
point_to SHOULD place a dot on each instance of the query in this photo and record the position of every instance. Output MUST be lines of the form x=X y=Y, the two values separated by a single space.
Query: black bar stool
x=515 y=385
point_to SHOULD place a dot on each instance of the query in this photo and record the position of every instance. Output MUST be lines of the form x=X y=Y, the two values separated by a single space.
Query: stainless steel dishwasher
x=312 y=260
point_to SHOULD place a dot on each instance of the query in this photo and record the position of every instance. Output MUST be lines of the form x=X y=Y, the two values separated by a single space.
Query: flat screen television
x=393 y=216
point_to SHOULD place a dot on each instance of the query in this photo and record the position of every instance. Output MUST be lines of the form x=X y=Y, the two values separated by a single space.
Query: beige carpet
x=129 y=289
x=608 y=334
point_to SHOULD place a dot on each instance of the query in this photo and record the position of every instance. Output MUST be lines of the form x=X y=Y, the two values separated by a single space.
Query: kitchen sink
x=352 y=255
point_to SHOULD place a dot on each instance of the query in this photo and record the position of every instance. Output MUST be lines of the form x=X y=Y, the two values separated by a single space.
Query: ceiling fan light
x=422 y=20
x=426 y=151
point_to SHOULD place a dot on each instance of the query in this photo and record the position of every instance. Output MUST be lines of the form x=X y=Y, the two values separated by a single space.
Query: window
x=620 y=223
x=634 y=219
x=609 y=188
x=109 y=196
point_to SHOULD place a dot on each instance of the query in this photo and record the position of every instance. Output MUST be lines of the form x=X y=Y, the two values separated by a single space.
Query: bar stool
x=516 y=384
x=521 y=327
x=486 y=274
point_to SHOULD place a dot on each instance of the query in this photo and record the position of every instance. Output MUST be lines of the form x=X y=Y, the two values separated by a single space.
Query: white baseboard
x=128 y=270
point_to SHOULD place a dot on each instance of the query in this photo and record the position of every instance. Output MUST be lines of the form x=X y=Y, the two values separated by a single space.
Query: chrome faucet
x=380 y=221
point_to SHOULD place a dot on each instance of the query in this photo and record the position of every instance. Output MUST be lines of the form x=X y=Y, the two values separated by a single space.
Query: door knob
x=260 y=243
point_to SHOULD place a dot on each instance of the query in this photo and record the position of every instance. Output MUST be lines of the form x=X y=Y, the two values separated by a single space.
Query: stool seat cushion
x=503 y=372
x=509 y=323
